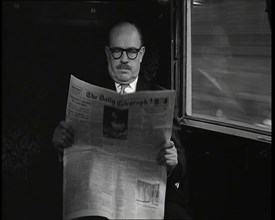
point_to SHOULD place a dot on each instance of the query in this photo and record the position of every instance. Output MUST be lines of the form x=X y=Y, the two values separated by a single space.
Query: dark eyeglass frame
x=127 y=50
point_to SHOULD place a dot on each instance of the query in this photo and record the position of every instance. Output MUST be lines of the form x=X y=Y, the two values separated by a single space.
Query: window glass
x=231 y=61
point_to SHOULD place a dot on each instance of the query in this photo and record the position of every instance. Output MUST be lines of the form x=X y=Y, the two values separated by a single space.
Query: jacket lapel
x=106 y=82
x=141 y=86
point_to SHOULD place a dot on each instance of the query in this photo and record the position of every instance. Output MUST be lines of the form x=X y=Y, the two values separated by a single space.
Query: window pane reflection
x=231 y=61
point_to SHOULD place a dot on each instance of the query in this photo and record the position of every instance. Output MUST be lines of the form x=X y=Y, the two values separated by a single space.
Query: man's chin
x=125 y=80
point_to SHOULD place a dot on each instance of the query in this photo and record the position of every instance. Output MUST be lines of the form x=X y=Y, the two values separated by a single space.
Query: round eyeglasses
x=131 y=52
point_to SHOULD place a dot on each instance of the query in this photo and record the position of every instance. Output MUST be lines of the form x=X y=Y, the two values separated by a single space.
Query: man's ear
x=142 y=52
x=106 y=51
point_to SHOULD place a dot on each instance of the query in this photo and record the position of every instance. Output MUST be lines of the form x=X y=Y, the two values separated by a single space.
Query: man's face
x=124 y=70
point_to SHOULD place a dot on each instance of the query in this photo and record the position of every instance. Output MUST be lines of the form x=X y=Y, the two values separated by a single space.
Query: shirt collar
x=132 y=86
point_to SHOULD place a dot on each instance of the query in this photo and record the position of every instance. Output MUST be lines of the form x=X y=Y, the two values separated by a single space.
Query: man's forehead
x=125 y=34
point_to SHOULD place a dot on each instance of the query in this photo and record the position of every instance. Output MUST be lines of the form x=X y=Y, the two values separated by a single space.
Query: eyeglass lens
x=131 y=52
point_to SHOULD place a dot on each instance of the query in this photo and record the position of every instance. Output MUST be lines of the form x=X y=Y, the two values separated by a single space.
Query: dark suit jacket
x=178 y=172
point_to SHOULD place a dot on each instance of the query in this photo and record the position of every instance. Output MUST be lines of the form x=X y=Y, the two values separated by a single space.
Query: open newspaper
x=111 y=168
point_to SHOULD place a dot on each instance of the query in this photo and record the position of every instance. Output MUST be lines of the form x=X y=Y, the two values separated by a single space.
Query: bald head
x=125 y=28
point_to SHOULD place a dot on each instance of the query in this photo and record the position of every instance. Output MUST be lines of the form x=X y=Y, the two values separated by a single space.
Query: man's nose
x=124 y=57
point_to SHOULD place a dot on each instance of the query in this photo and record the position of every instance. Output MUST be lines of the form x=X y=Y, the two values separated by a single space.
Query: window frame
x=181 y=78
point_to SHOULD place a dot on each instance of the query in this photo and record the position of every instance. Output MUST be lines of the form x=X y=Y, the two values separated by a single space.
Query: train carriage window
x=227 y=66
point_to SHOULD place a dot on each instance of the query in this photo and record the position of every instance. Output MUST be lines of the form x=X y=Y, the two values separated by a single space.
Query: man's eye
x=116 y=50
x=132 y=51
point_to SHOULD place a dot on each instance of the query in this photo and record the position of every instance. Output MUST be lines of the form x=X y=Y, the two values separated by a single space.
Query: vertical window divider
x=188 y=59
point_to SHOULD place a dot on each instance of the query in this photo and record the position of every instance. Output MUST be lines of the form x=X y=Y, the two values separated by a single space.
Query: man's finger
x=166 y=157
x=169 y=144
x=168 y=162
x=168 y=149
x=65 y=125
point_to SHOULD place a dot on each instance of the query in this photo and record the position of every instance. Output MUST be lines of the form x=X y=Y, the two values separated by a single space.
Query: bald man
x=124 y=53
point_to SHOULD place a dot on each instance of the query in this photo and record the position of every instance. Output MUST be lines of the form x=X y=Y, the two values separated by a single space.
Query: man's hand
x=63 y=136
x=168 y=155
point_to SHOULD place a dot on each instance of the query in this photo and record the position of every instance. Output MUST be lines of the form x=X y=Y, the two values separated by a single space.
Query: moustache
x=123 y=66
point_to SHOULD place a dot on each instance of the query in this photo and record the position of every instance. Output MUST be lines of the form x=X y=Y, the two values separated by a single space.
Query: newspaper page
x=111 y=169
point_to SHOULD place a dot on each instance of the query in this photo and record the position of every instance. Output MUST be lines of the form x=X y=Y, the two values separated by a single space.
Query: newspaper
x=111 y=168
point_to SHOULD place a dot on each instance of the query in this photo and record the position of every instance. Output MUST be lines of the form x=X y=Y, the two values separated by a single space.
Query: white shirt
x=130 y=89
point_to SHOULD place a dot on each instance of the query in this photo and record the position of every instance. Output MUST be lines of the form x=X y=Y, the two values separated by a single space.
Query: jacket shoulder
x=145 y=86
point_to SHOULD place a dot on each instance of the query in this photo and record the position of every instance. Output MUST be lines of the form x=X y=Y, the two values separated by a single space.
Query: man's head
x=124 y=52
